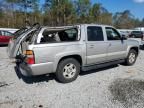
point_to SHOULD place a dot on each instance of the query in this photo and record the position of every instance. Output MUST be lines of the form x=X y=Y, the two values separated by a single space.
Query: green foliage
x=124 y=20
x=100 y=15
x=13 y=13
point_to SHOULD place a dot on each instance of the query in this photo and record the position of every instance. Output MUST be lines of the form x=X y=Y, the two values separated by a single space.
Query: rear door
x=96 y=47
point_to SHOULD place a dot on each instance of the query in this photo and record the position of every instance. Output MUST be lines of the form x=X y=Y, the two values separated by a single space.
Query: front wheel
x=131 y=58
x=68 y=70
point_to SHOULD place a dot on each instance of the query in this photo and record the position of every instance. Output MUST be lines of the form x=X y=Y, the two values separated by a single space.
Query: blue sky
x=135 y=6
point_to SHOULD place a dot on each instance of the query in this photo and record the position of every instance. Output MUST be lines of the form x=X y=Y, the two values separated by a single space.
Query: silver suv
x=67 y=50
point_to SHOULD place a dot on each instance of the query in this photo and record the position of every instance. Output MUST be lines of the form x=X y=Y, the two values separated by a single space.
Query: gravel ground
x=112 y=87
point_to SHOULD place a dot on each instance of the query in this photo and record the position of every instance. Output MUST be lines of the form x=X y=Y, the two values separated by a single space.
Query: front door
x=96 y=47
x=116 y=46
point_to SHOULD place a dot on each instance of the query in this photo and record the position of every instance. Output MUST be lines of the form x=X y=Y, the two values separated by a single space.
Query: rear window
x=137 y=32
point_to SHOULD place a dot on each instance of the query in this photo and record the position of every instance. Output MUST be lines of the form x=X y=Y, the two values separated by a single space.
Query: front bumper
x=36 y=69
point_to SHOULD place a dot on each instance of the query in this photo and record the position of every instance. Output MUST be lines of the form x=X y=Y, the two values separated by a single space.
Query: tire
x=68 y=70
x=143 y=47
x=131 y=58
x=133 y=36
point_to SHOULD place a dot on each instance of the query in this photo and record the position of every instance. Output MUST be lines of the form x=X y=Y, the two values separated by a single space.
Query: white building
x=140 y=28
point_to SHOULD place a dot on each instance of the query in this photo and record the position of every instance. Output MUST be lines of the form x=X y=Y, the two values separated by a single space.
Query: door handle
x=91 y=46
x=109 y=44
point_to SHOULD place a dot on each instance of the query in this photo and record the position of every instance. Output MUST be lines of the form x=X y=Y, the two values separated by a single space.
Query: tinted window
x=137 y=32
x=5 y=33
x=95 y=33
x=112 y=34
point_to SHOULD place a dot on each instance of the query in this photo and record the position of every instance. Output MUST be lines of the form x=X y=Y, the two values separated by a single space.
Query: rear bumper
x=36 y=69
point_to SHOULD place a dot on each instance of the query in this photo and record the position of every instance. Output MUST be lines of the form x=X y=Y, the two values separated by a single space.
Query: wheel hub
x=69 y=70
x=132 y=57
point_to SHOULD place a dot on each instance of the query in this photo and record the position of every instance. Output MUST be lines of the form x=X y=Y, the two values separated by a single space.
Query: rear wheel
x=68 y=70
x=131 y=58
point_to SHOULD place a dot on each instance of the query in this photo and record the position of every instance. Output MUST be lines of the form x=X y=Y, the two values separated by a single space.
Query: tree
x=14 y=13
x=100 y=15
x=36 y=13
x=142 y=23
x=82 y=10
x=123 y=19
x=60 y=12
x=12 y=4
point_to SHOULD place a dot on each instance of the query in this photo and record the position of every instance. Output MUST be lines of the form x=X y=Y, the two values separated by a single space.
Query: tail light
x=30 y=59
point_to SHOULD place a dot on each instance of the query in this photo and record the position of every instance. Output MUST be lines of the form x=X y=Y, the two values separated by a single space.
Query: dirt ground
x=111 y=87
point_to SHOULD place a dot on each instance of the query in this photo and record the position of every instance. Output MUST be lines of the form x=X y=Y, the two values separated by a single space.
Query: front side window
x=112 y=34
x=95 y=33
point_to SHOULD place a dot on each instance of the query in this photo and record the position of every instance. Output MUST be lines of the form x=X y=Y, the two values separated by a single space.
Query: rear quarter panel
x=53 y=52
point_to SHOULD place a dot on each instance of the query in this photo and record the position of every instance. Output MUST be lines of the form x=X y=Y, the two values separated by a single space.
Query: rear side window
x=57 y=36
x=72 y=34
x=95 y=33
